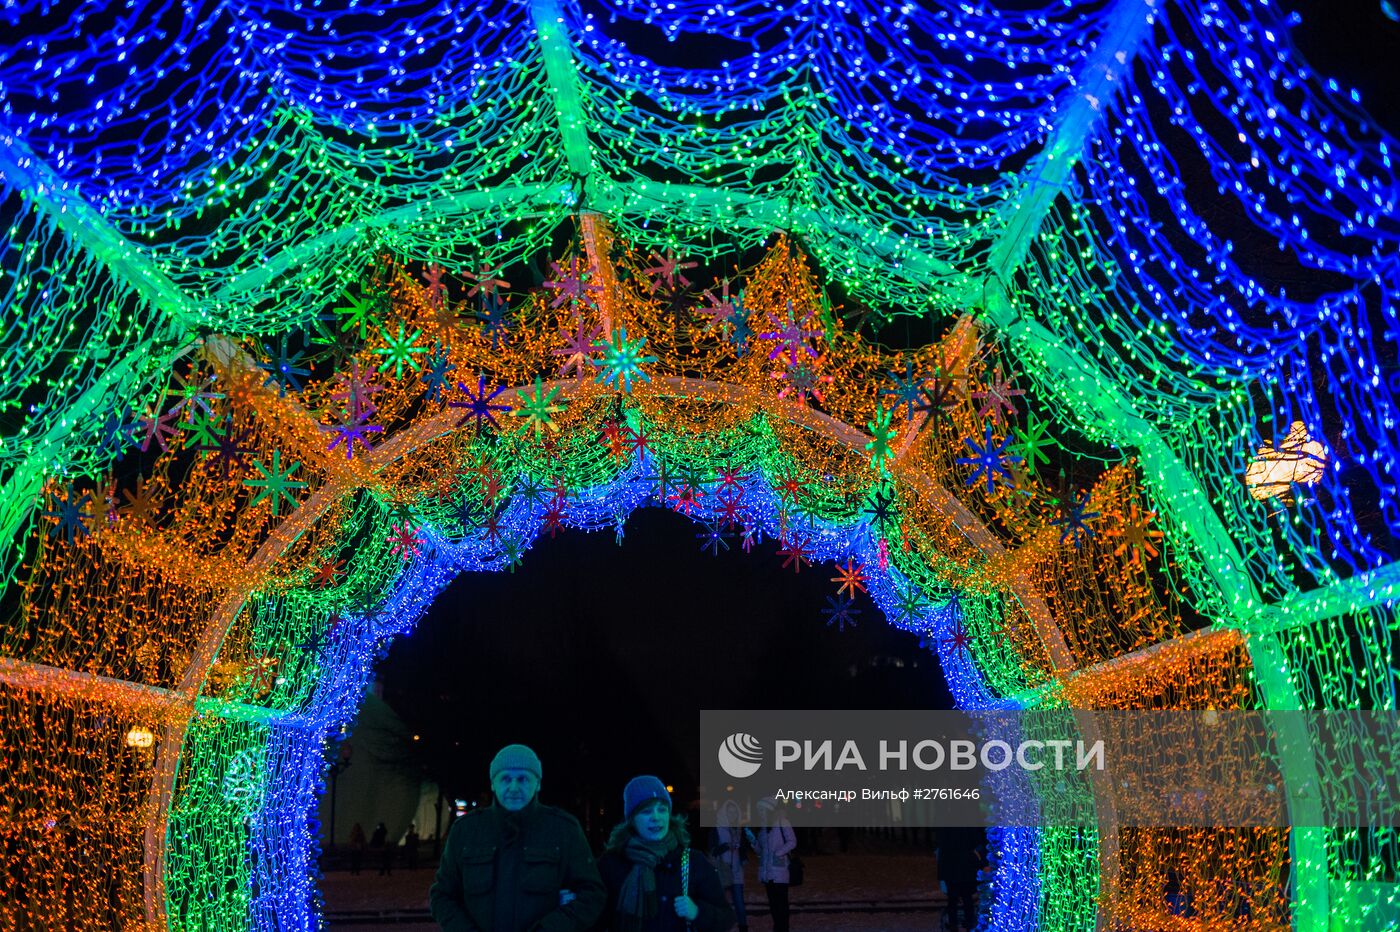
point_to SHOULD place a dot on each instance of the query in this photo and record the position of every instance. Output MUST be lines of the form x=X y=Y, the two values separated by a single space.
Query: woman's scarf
x=636 y=899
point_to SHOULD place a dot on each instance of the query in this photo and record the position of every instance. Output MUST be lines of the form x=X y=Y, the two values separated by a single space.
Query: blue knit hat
x=642 y=790
x=516 y=757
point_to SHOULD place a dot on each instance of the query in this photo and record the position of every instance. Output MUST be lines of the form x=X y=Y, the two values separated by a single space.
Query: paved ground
x=875 y=889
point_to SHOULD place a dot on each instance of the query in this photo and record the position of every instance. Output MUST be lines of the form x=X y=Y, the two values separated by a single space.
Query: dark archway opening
x=601 y=656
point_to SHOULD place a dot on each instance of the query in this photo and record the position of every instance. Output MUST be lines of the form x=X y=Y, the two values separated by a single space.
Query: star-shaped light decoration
x=538 y=408
x=479 y=404
x=720 y=310
x=732 y=509
x=840 y=611
x=204 y=430
x=194 y=389
x=910 y=605
x=327 y=573
x=437 y=289
x=158 y=427
x=400 y=350
x=907 y=389
x=71 y=514
x=572 y=285
x=577 y=349
x=1137 y=538
x=276 y=483
x=958 y=639
x=791 y=339
x=879 y=508
x=668 y=272
x=1074 y=521
x=486 y=282
x=804 y=380
x=851 y=577
x=1033 y=441
x=283 y=368
x=356 y=391
x=712 y=539
x=998 y=398
x=230 y=453
x=554 y=516
x=405 y=542
x=796 y=552
x=881 y=437
x=435 y=376
x=622 y=361
x=988 y=460
x=686 y=497
x=495 y=318
x=359 y=313
x=140 y=503
x=350 y=431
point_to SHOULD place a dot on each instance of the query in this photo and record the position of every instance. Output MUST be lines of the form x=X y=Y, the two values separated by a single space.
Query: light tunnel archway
x=236 y=180
x=764 y=511
x=274 y=663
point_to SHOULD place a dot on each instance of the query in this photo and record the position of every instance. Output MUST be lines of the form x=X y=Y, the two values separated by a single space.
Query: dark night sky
x=601 y=657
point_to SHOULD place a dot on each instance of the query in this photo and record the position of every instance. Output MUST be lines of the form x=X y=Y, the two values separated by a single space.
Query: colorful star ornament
x=351 y=431
x=881 y=434
x=1032 y=441
x=71 y=515
x=1074 y=522
x=989 y=460
x=957 y=640
x=622 y=361
x=284 y=369
x=851 y=577
x=841 y=612
x=405 y=542
x=908 y=389
x=359 y=313
x=478 y=404
x=276 y=483
x=538 y=408
x=400 y=350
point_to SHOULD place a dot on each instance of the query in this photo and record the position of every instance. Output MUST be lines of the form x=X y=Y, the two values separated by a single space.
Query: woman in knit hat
x=656 y=882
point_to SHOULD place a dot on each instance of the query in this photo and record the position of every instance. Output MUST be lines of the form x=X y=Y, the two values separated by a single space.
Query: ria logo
x=740 y=755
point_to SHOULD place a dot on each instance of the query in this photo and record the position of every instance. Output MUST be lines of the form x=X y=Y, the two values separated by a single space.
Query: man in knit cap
x=518 y=865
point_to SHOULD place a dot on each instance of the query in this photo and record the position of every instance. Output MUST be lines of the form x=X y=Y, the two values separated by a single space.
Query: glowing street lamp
x=140 y=737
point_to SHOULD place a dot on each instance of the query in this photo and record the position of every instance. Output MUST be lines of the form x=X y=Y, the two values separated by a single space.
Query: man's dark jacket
x=502 y=871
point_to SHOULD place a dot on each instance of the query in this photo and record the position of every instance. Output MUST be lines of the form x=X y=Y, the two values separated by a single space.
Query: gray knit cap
x=516 y=757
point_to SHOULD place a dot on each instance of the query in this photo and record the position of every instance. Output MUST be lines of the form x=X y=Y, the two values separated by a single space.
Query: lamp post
x=336 y=768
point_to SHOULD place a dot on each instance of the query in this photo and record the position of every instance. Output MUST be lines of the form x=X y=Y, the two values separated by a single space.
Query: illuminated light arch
x=403 y=446
x=343 y=479
x=1303 y=605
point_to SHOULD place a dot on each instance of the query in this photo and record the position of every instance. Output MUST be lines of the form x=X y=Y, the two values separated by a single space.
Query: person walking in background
x=410 y=847
x=961 y=854
x=518 y=864
x=357 y=848
x=656 y=882
x=730 y=847
x=775 y=842
x=379 y=843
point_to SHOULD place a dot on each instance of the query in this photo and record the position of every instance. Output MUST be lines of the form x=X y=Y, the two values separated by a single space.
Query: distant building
x=381 y=784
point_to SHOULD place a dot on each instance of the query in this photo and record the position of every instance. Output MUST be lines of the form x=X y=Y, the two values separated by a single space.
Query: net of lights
x=267 y=390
